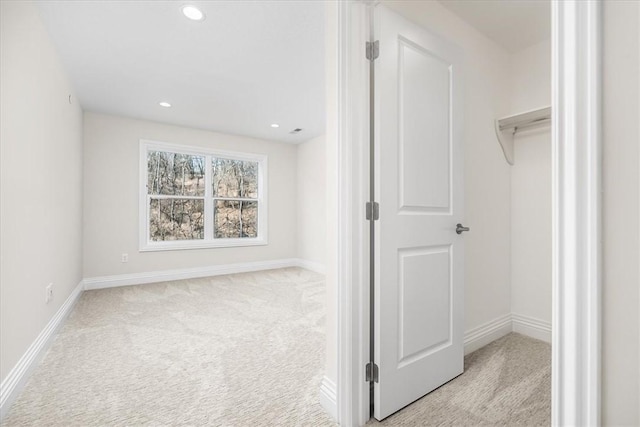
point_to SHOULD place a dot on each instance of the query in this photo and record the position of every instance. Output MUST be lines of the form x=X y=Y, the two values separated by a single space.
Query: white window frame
x=147 y=245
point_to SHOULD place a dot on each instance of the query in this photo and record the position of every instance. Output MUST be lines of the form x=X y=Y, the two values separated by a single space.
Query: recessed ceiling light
x=193 y=13
x=275 y=125
x=165 y=104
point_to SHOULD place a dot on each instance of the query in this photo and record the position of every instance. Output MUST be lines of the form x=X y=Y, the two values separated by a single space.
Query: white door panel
x=418 y=255
x=424 y=168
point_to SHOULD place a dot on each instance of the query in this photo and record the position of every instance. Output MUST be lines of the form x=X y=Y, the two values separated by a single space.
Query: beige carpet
x=237 y=350
x=507 y=383
x=243 y=350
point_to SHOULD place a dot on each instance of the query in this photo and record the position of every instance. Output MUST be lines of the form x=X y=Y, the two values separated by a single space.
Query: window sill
x=191 y=244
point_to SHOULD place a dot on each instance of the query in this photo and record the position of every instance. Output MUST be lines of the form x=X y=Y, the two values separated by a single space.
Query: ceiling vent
x=295 y=131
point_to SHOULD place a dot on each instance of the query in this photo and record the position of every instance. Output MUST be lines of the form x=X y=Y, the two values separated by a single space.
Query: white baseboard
x=17 y=377
x=534 y=328
x=487 y=333
x=311 y=265
x=104 y=282
x=328 y=397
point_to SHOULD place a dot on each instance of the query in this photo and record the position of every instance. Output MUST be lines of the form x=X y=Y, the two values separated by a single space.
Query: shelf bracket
x=507 y=127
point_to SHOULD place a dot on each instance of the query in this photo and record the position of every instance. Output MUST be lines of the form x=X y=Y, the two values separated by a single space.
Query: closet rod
x=529 y=118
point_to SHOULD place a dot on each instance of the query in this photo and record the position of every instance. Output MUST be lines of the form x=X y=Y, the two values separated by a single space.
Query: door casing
x=576 y=217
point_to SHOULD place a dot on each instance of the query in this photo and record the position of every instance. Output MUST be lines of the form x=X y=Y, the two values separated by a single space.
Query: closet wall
x=531 y=195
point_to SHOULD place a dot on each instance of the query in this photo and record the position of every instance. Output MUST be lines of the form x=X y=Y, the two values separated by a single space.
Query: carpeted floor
x=237 y=350
x=507 y=383
x=243 y=350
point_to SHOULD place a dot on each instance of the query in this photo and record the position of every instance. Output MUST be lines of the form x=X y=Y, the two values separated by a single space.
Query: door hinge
x=372 y=211
x=371 y=372
x=373 y=50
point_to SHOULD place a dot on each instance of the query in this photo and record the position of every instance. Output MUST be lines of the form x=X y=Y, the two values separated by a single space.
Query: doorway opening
x=565 y=258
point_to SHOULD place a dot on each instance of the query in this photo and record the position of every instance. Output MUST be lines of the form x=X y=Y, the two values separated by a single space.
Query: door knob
x=460 y=228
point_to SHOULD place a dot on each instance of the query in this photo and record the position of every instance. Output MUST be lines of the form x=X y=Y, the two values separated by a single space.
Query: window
x=198 y=198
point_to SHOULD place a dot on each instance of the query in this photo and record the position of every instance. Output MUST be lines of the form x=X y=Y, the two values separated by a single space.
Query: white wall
x=531 y=187
x=311 y=207
x=331 y=208
x=487 y=174
x=111 y=177
x=621 y=211
x=41 y=186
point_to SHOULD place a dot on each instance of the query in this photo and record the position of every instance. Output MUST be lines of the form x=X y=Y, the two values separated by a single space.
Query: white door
x=419 y=264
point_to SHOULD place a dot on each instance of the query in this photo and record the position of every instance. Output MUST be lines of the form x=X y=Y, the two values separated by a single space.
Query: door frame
x=348 y=131
x=577 y=211
x=576 y=216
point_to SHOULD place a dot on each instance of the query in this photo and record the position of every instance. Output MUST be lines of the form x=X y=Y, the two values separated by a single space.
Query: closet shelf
x=507 y=127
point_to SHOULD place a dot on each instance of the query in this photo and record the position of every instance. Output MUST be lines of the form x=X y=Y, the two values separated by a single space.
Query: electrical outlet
x=125 y=258
x=49 y=290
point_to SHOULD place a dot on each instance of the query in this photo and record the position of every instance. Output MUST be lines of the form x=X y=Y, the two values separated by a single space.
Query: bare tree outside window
x=176 y=219
x=235 y=218
x=171 y=178
x=201 y=197
x=235 y=190
x=235 y=178
x=175 y=174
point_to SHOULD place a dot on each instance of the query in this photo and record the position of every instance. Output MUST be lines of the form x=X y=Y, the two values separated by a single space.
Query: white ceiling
x=247 y=65
x=513 y=24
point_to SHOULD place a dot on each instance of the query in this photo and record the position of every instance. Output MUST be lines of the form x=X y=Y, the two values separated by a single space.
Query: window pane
x=235 y=178
x=235 y=219
x=175 y=174
x=176 y=219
